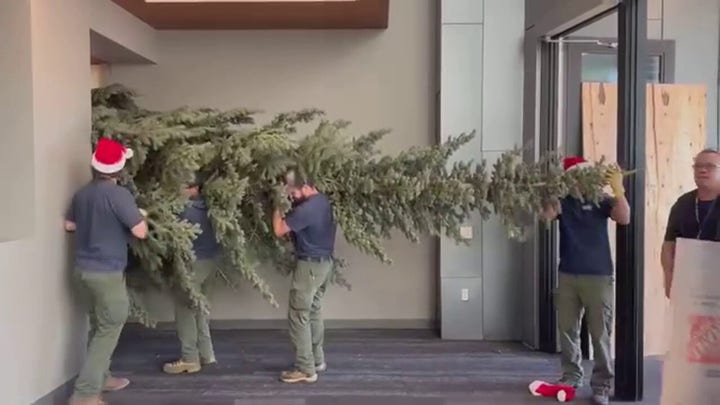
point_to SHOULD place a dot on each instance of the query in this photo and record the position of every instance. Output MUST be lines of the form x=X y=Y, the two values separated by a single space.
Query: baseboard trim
x=58 y=396
x=265 y=324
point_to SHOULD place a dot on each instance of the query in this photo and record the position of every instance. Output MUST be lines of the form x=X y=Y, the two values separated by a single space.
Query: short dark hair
x=296 y=178
x=99 y=175
x=708 y=150
x=198 y=181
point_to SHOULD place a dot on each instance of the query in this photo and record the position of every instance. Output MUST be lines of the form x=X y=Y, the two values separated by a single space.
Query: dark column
x=632 y=36
x=547 y=272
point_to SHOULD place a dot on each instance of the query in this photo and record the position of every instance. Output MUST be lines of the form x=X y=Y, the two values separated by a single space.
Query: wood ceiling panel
x=358 y=14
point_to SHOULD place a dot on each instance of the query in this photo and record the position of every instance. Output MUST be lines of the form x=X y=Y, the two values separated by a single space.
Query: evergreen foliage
x=418 y=192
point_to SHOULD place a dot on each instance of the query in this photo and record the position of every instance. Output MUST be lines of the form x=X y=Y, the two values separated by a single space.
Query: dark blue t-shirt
x=103 y=213
x=584 y=242
x=205 y=245
x=314 y=227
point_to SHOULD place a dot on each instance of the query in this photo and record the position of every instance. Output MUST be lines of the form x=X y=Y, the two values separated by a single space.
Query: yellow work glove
x=615 y=180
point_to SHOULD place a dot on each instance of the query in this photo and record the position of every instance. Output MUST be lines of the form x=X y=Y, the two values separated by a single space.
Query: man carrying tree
x=193 y=325
x=585 y=280
x=695 y=214
x=313 y=232
x=102 y=215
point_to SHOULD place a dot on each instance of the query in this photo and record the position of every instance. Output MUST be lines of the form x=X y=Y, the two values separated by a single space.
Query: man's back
x=104 y=213
x=584 y=242
x=314 y=227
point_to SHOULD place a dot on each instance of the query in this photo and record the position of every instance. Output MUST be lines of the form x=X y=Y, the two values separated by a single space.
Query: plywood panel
x=676 y=132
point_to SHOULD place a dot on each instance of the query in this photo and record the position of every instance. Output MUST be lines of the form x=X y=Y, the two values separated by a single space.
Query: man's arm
x=667 y=252
x=129 y=214
x=296 y=220
x=280 y=227
x=667 y=261
x=620 y=211
x=70 y=225
x=551 y=211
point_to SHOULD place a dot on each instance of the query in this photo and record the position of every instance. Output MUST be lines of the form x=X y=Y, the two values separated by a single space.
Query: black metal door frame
x=629 y=350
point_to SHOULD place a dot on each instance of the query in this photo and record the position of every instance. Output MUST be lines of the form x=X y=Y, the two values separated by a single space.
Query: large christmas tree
x=417 y=192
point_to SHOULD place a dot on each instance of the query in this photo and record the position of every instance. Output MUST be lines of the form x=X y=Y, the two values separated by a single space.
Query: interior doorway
x=589 y=59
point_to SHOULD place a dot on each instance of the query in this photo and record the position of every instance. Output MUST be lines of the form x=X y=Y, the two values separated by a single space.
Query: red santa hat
x=110 y=156
x=572 y=163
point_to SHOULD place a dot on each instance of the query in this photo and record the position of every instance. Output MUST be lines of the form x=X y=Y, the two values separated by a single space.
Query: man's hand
x=551 y=211
x=667 y=283
x=615 y=180
x=280 y=227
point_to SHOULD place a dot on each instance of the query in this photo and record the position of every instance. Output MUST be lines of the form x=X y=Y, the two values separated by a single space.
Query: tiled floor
x=365 y=367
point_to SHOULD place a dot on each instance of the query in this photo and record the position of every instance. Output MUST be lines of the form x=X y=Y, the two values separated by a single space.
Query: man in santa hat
x=585 y=280
x=102 y=215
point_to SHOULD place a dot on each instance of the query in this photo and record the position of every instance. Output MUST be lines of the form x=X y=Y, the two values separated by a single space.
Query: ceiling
x=259 y=14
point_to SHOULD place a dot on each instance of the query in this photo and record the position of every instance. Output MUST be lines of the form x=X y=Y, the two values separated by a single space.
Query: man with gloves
x=585 y=280
x=102 y=216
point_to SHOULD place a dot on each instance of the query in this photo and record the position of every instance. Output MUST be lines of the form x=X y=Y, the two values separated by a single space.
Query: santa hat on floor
x=572 y=163
x=110 y=156
x=561 y=392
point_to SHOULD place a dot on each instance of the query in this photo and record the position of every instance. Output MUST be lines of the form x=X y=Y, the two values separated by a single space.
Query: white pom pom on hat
x=110 y=156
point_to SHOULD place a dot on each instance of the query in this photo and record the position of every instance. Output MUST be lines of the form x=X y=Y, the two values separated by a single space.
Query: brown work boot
x=94 y=400
x=115 y=384
x=297 y=376
x=181 y=366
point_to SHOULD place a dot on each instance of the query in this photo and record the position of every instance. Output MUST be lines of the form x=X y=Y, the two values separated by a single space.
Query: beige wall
x=376 y=79
x=42 y=334
x=119 y=26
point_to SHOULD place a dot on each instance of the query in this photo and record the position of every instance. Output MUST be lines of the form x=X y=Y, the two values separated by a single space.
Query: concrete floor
x=365 y=367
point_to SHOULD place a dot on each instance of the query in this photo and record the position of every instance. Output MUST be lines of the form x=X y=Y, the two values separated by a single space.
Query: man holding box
x=695 y=215
x=585 y=280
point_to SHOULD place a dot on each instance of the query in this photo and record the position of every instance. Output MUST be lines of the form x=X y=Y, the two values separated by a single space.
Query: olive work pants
x=108 y=305
x=306 y=326
x=193 y=326
x=594 y=296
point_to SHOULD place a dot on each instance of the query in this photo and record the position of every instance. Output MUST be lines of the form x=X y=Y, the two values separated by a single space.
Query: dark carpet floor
x=365 y=367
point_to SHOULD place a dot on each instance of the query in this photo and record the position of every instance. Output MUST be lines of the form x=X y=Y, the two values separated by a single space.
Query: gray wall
x=481 y=90
x=44 y=99
x=374 y=78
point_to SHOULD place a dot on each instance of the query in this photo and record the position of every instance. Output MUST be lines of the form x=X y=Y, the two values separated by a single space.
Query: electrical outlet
x=465 y=294
x=466 y=232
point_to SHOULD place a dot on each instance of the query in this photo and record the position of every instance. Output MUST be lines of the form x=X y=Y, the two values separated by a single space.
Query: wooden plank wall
x=676 y=132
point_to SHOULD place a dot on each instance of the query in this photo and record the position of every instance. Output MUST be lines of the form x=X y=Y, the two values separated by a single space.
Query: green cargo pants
x=193 y=326
x=108 y=305
x=307 y=330
x=594 y=296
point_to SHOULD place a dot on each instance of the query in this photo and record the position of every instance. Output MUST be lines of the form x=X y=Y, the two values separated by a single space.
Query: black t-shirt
x=693 y=219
